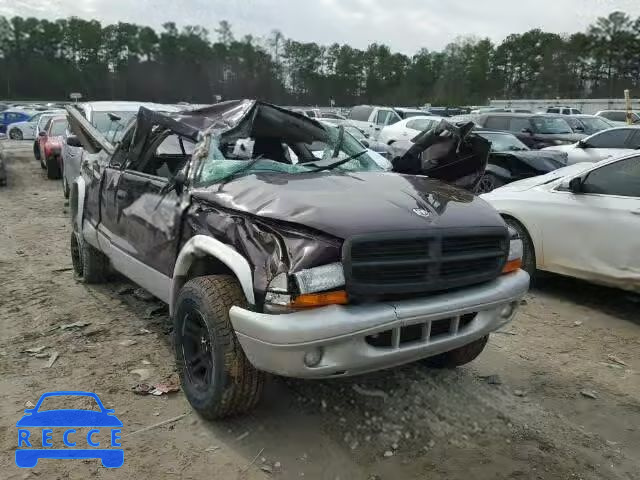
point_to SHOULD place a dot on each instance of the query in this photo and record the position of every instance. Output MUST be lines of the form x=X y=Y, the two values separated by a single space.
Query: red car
x=50 y=145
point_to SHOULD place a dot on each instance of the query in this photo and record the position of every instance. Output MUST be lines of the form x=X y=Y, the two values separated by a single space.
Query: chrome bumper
x=336 y=336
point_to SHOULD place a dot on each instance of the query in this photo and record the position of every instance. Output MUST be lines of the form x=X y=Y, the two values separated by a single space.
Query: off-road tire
x=528 y=250
x=36 y=151
x=76 y=255
x=95 y=264
x=15 y=134
x=53 y=168
x=234 y=385
x=459 y=356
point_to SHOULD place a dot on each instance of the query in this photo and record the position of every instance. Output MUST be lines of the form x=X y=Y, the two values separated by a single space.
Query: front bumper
x=342 y=335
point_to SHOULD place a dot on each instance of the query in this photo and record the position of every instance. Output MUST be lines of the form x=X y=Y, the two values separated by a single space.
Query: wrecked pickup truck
x=288 y=259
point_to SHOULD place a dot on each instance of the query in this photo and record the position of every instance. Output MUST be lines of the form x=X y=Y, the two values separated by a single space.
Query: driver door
x=148 y=211
x=595 y=234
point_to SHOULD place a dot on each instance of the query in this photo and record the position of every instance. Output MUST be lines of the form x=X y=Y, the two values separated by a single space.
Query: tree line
x=42 y=59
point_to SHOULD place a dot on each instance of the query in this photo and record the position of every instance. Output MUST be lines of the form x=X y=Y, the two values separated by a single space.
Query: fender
x=201 y=246
x=499 y=171
x=77 y=204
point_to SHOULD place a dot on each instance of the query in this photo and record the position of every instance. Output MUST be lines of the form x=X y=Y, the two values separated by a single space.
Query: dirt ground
x=556 y=395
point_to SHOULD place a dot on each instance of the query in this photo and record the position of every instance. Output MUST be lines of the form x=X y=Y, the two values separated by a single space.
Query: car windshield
x=226 y=161
x=504 y=143
x=65 y=402
x=58 y=127
x=551 y=125
x=594 y=124
x=112 y=129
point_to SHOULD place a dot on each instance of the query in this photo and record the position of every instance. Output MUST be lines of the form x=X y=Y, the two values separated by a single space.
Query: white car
x=582 y=221
x=110 y=118
x=407 y=129
x=27 y=130
x=613 y=142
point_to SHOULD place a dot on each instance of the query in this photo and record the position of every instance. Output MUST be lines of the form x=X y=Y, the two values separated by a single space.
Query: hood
x=568 y=137
x=560 y=148
x=528 y=183
x=538 y=160
x=347 y=204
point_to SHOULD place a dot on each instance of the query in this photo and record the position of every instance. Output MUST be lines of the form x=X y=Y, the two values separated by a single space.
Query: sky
x=404 y=25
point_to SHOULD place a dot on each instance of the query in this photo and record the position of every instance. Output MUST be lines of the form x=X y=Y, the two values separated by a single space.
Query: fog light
x=313 y=357
x=507 y=310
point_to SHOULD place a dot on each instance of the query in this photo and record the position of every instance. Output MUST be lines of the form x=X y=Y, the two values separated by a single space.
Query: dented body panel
x=163 y=219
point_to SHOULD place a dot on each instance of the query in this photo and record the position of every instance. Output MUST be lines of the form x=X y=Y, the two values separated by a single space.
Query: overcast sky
x=405 y=25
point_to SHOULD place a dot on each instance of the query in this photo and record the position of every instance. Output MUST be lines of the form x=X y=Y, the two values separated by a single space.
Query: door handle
x=122 y=194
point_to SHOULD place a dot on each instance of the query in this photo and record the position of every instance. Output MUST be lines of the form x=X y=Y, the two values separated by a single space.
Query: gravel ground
x=556 y=395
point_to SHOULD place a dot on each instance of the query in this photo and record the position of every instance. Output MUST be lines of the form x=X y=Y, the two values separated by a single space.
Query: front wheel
x=489 y=182
x=66 y=191
x=217 y=378
x=459 y=356
x=15 y=134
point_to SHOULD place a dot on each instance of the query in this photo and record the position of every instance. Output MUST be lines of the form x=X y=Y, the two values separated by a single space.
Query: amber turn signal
x=311 y=300
x=512 y=266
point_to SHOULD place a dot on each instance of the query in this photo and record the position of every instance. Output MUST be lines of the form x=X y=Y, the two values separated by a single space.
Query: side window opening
x=166 y=155
x=620 y=178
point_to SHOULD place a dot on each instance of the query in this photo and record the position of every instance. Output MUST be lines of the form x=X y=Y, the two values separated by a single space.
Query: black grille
x=408 y=263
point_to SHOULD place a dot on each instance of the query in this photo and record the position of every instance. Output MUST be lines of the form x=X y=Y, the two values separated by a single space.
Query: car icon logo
x=36 y=437
x=421 y=212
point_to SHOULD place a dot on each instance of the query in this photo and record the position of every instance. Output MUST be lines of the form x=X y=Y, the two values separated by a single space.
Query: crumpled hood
x=542 y=161
x=346 y=204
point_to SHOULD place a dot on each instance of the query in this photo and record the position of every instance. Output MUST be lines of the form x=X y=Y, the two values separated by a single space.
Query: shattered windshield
x=240 y=157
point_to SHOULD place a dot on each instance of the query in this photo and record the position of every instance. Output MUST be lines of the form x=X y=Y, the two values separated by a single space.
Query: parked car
x=582 y=221
x=41 y=124
x=511 y=160
x=371 y=120
x=110 y=119
x=50 y=144
x=26 y=130
x=536 y=131
x=374 y=145
x=564 y=110
x=618 y=117
x=10 y=116
x=331 y=116
x=407 y=129
x=614 y=142
x=269 y=266
x=447 y=111
x=587 y=124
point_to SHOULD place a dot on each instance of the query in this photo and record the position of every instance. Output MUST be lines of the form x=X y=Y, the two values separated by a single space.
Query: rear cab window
x=361 y=113
x=497 y=123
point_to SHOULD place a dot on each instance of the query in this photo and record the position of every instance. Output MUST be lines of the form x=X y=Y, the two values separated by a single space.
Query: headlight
x=514 y=260
x=316 y=287
x=320 y=279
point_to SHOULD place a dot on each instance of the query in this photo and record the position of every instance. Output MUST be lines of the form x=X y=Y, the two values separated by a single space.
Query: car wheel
x=459 y=356
x=36 y=151
x=94 y=263
x=53 y=168
x=217 y=378
x=65 y=185
x=76 y=255
x=528 y=250
x=488 y=182
x=15 y=134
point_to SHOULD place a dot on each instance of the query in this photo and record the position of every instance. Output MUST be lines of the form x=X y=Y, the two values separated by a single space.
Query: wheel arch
x=536 y=243
x=204 y=255
x=76 y=203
